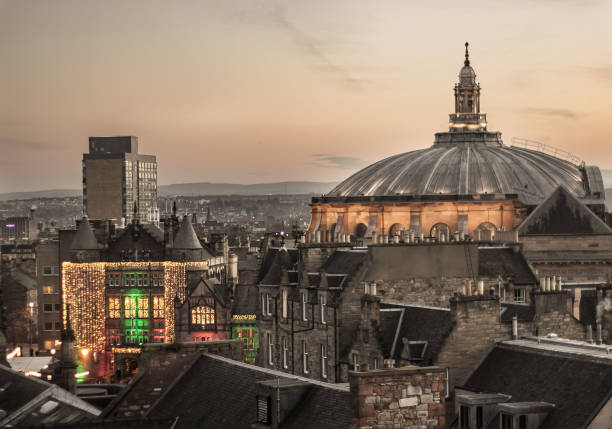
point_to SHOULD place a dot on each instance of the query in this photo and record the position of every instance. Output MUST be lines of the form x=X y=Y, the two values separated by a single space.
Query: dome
x=472 y=166
x=467 y=73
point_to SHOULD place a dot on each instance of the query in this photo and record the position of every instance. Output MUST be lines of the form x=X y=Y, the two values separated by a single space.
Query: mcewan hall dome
x=466 y=182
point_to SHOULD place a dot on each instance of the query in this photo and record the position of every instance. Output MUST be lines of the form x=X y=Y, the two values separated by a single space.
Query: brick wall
x=552 y=316
x=408 y=397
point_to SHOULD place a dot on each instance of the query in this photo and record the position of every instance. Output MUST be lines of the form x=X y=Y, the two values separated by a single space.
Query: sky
x=252 y=91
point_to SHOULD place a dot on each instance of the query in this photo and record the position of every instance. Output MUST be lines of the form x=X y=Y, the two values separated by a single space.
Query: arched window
x=360 y=230
x=487 y=226
x=396 y=229
x=438 y=229
x=204 y=316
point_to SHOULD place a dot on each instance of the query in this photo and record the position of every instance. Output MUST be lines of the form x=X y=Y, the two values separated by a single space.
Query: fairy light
x=84 y=289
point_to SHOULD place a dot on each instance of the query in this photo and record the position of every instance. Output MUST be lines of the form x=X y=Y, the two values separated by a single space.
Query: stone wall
x=552 y=316
x=477 y=327
x=408 y=397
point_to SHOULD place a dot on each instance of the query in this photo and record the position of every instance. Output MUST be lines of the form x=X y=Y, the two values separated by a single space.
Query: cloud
x=545 y=111
x=20 y=145
x=603 y=73
x=334 y=161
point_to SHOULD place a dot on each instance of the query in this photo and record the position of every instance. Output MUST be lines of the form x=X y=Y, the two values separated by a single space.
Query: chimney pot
x=365 y=367
x=542 y=284
x=481 y=287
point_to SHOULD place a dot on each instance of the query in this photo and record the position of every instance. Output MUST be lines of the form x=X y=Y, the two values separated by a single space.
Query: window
x=268 y=309
x=114 y=279
x=48 y=308
x=264 y=414
x=270 y=357
x=129 y=306
x=415 y=223
x=157 y=279
x=48 y=326
x=263 y=304
x=375 y=363
x=158 y=307
x=304 y=318
x=479 y=418
x=51 y=270
x=114 y=307
x=323 y=302
x=284 y=299
x=285 y=350
x=48 y=289
x=462 y=223
x=57 y=307
x=522 y=421
x=465 y=417
x=506 y=420
x=519 y=295
x=324 y=360
x=246 y=335
x=143 y=307
x=355 y=362
x=304 y=358
x=203 y=315
x=58 y=326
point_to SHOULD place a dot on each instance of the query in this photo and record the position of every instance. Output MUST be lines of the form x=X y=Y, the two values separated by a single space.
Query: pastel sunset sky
x=251 y=91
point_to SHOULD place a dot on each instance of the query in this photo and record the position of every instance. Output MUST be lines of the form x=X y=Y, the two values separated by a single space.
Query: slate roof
x=495 y=261
x=275 y=260
x=215 y=392
x=523 y=312
x=154 y=231
x=24 y=279
x=562 y=213
x=84 y=238
x=577 y=382
x=186 y=237
x=344 y=261
x=414 y=323
x=245 y=299
x=32 y=402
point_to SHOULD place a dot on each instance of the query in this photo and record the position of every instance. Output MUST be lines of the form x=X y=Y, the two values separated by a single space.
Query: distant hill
x=202 y=188
x=50 y=193
x=206 y=188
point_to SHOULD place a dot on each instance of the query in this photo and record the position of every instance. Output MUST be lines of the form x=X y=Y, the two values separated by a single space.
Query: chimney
x=407 y=397
x=481 y=287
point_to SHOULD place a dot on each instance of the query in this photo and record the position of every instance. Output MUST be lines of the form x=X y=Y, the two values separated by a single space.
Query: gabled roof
x=415 y=323
x=562 y=213
x=84 y=238
x=505 y=262
x=344 y=261
x=578 y=380
x=274 y=262
x=31 y=402
x=186 y=237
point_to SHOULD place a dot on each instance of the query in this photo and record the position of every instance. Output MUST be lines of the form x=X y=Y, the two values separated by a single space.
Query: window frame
x=324 y=358
x=305 y=368
x=323 y=304
x=304 y=302
x=270 y=350
x=285 y=353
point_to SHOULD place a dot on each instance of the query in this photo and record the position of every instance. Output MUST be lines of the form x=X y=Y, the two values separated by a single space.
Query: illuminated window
x=157 y=279
x=158 y=307
x=114 y=307
x=143 y=307
x=246 y=335
x=48 y=289
x=129 y=304
x=203 y=315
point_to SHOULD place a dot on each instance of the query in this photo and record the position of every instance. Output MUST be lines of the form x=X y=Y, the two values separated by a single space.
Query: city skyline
x=286 y=91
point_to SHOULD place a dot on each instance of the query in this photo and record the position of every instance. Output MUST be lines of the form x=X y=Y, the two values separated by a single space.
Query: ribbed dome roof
x=466 y=168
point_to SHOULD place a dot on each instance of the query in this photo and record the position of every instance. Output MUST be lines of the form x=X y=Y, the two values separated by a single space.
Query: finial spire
x=467 y=55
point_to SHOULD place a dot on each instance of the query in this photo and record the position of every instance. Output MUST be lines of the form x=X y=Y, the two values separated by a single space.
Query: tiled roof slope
x=415 y=324
x=507 y=262
x=562 y=213
x=219 y=393
x=576 y=383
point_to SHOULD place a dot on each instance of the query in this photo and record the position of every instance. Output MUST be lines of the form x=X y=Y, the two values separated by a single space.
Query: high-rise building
x=118 y=182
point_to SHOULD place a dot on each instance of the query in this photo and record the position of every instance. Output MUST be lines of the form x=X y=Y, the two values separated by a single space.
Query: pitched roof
x=415 y=323
x=245 y=299
x=576 y=380
x=216 y=392
x=344 y=261
x=496 y=261
x=274 y=262
x=31 y=402
x=562 y=213
x=84 y=238
x=186 y=237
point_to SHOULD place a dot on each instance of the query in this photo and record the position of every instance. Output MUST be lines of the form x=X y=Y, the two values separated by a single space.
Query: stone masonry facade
x=407 y=398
